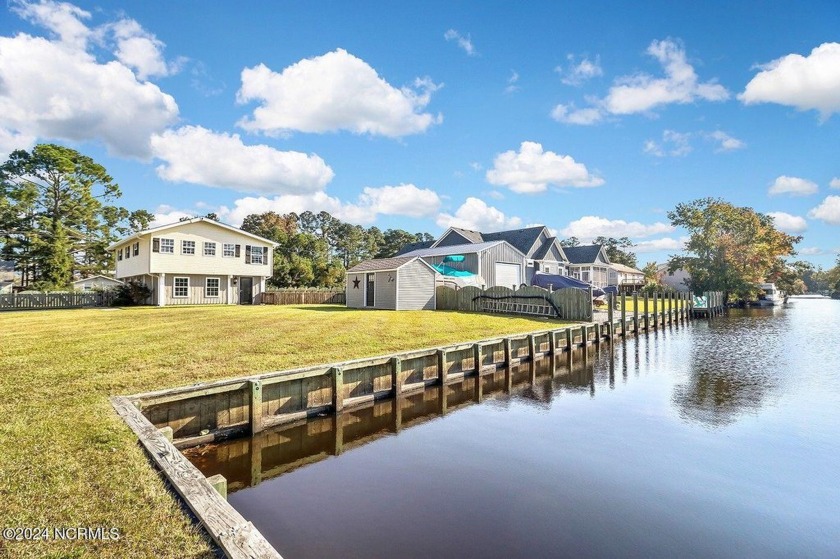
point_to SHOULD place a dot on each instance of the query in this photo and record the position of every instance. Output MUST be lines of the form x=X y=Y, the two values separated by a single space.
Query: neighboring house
x=496 y=262
x=542 y=251
x=626 y=278
x=6 y=287
x=400 y=283
x=678 y=279
x=589 y=263
x=7 y=270
x=197 y=261
x=96 y=283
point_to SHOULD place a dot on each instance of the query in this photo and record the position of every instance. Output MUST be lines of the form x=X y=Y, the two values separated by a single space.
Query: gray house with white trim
x=400 y=283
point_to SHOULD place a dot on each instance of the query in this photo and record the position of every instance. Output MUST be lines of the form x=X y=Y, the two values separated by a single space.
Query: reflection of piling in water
x=246 y=462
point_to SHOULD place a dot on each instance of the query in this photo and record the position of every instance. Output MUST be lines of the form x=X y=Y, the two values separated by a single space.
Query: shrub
x=131 y=293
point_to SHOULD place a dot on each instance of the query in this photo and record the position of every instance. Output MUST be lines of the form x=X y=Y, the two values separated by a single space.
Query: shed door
x=370 y=285
x=507 y=275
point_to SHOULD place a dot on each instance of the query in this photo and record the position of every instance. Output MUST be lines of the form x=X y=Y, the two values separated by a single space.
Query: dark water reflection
x=715 y=440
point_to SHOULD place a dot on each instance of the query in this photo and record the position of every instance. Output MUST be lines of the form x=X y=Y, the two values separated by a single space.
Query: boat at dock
x=771 y=296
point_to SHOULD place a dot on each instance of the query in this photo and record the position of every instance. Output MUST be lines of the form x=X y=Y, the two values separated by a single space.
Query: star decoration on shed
x=356 y=283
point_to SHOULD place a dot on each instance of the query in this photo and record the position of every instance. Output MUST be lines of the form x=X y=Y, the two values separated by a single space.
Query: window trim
x=136 y=249
x=260 y=251
x=218 y=288
x=175 y=287
x=164 y=245
x=232 y=250
x=119 y=254
x=206 y=245
x=184 y=246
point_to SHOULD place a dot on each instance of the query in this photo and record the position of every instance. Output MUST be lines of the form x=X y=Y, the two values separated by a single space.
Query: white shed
x=95 y=283
x=401 y=283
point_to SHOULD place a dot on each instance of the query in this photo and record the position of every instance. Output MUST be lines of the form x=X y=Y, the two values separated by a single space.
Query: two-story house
x=589 y=263
x=196 y=262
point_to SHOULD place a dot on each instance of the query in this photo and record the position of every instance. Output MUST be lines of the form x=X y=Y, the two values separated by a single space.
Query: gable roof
x=522 y=239
x=80 y=280
x=385 y=264
x=585 y=254
x=468 y=234
x=542 y=252
x=456 y=249
x=155 y=230
x=414 y=246
x=625 y=269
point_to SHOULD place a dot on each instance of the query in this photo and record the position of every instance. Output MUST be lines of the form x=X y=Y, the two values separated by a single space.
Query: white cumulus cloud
x=141 y=50
x=673 y=144
x=794 y=186
x=828 y=211
x=656 y=245
x=464 y=42
x=532 y=170
x=196 y=155
x=641 y=93
x=165 y=214
x=576 y=73
x=590 y=226
x=475 y=214
x=804 y=82
x=789 y=223
x=835 y=183
x=404 y=200
x=725 y=141
x=56 y=89
x=335 y=91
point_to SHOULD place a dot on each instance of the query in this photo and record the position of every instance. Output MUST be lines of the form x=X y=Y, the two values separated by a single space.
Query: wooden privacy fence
x=56 y=300
x=303 y=297
x=565 y=304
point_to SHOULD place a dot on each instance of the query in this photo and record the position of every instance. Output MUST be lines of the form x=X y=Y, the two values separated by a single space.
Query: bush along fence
x=564 y=304
x=56 y=300
x=303 y=297
x=168 y=420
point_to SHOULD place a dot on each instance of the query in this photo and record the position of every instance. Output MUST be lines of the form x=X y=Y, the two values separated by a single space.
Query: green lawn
x=67 y=460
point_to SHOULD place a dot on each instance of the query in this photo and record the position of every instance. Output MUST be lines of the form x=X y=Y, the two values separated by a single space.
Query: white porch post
x=262 y=289
x=161 y=290
x=228 y=291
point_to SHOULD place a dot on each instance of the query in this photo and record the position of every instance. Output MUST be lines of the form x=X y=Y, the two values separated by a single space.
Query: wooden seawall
x=209 y=412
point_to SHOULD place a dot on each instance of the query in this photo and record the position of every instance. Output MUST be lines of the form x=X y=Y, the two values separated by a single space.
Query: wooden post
x=569 y=340
x=610 y=313
x=256 y=406
x=623 y=315
x=552 y=343
x=338 y=427
x=396 y=376
x=507 y=352
x=647 y=315
x=655 y=312
x=441 y=355
x=477 y=358
x=256 y=460
x=532 y=348
x=589 y=304
x=338 y=389
x=635 y=314
x=219 y=483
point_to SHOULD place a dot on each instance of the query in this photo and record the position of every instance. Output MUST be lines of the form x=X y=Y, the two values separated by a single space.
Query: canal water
x=715 y=439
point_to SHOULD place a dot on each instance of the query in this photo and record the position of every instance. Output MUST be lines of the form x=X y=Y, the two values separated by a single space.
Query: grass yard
x=67 y=460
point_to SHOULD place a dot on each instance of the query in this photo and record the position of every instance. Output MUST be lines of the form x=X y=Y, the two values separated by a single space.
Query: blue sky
x=593 y=118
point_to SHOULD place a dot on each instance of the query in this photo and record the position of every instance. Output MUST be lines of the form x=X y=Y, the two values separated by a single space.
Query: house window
x=547 y=269
x=584 y=276
x=119 y=254
x=257 y=255
x=211 y=287
x=228 y=250
x=167 y=245
x=136 y=249
x=209 y=249
x=187 y=247
x=182 y=288
x=127 y=253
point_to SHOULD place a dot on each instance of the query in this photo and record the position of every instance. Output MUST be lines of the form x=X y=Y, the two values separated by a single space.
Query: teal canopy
x=454 y=258
x=452 y=272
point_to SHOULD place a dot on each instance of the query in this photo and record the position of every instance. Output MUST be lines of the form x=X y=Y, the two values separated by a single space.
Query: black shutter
x=155 y=245
x=247 y=254
x=236 y=252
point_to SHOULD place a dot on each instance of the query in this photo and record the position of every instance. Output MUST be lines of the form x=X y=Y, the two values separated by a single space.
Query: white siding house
x=195 y=262
x=96 y=283
x=401 y=283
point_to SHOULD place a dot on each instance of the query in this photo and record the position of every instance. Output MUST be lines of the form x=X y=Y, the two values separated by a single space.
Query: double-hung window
x=136 y=249
x=181 y=288
x=257 y=255
x=167 y=245
x=229 y=250
x=211 y=287
x=187 y=247
x=209 y=249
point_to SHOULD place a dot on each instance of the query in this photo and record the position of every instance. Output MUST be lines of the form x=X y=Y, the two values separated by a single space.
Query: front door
x=370 y=284
x=246 y=291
